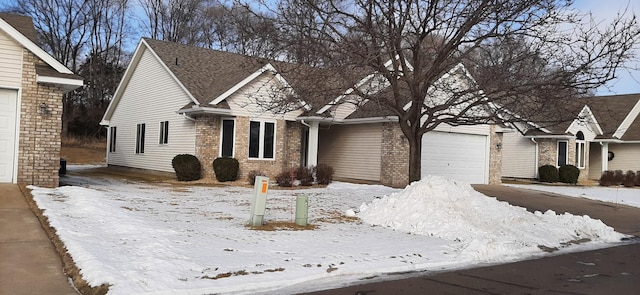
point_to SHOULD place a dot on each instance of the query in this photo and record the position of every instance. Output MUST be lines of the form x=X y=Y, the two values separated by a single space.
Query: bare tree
x=412 y=44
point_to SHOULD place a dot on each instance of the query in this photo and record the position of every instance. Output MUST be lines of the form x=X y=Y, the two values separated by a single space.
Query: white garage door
x=457 y=156
x=8 y=110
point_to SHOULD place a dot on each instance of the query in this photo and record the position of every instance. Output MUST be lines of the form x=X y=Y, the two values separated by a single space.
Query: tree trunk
x=415 y=157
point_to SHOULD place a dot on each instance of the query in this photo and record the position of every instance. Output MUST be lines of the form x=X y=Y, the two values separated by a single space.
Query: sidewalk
x=29 y=264
x=613 y=270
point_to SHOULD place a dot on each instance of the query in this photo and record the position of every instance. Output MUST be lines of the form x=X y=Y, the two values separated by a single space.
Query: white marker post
x=259 y=203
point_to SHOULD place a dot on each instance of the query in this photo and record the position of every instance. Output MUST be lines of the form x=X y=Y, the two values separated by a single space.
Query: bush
x=568 y=174
x=629 y=179
x=187 y=167
x=618 y=177
x=324 y=174
x=638 y=177
x=226 y=169
x=251 y=178
x=284 y=179
x=548 y=173
x=606 y=179
x=305 y=175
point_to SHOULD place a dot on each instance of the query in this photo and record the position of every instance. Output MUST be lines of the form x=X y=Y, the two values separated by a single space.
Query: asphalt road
x=614 y=270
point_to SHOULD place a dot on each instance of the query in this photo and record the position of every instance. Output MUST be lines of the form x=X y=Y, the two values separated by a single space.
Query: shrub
x=606 y=179
x=638 y=177
x=305 y=175
x=226 y=169
x=251 y=178
x=629 y=179
x=568 y=174
x=324 y=174
x=187 y=167
x=548 y=173
x=284 y=179
x=618 y=177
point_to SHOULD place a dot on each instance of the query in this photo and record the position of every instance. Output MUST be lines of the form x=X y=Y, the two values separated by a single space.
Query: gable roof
x=20 y=28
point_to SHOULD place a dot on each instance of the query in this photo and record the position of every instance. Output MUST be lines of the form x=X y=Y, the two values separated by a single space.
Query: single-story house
x=604 y=136
x=32 y=83
x=176 y=99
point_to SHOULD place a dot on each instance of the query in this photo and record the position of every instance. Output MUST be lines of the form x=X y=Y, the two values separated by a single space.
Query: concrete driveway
x=29 y=264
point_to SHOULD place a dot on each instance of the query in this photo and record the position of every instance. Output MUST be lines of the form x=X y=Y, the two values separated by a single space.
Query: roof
x=21 y=29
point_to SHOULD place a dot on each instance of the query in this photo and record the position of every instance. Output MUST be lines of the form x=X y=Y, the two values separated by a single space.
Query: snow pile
x=486 y=227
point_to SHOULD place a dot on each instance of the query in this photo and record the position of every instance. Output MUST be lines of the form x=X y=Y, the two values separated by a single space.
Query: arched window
x=580 y=150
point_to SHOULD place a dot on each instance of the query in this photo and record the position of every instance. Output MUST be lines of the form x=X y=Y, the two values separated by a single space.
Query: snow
x=617 y=195
x=173 y=239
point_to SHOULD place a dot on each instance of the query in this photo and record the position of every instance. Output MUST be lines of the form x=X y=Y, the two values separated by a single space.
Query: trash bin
x=63 y=167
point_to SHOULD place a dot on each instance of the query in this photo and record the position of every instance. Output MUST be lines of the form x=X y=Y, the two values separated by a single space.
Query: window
x=140 y=139
x=563 y=152
x=112 y=139
x=164 y=132
x=261 y=140
x=228 y=136
x=580 y=150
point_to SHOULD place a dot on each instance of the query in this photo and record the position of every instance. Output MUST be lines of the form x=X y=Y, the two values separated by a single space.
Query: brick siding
x=39 y=146
x=395 y=156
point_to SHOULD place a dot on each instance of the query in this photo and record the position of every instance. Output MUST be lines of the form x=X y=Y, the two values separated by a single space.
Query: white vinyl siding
x=354 y=151
x=518 y=156
x=626 y=157
x=151 y=96
x=10 y=62
x=458 y=156
x=250 y=100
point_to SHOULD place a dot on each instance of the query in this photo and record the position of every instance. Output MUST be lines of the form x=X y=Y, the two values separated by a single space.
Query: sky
x=628 y=79
x=144 y=238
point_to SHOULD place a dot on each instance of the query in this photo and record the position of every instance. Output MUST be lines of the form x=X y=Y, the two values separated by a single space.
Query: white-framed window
x=112 y=139
x=262 y=140
x=227 y=137
x=140 y=133
x=163 y=137
x=580 y=150
x=563 y=153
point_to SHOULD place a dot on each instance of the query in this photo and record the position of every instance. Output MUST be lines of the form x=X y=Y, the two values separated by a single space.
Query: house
x=32 y=83
x=176 y=99
x=605 y=135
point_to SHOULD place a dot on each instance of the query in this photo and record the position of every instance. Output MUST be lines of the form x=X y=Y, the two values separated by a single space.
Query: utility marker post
x=259 y=202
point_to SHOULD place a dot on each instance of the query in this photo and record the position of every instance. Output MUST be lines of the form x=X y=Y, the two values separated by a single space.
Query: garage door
x=456 y=156
x=354 y=151
x=8 y=103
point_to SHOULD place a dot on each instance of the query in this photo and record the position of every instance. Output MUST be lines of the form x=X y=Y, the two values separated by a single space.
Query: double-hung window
x=140 y=130
x=261 y=139
x=563 y=153
x=164 y=132
x=112 y=139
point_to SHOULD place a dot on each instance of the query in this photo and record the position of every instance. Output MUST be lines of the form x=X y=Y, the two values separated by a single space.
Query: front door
x=8 y=113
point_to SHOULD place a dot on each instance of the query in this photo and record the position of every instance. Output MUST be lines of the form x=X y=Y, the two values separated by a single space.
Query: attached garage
x=8 y=114
x=354 y=151
x=458 y=156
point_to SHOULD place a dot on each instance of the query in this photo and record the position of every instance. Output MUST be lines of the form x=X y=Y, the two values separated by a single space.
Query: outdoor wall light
x=44 y=109
x=499 y=146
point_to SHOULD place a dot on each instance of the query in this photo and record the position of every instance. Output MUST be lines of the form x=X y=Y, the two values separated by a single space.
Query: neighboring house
x=176 y=99
x=606 y=127
x=31 y=87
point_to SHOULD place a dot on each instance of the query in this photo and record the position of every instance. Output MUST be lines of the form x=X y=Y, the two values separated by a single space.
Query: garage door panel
x=457 y=156
x=8 y=102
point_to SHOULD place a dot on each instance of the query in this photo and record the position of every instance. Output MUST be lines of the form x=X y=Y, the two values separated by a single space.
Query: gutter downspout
x=188 y=118
x=535 y=167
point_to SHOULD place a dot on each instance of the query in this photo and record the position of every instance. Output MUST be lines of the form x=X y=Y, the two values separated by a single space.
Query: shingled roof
x=23 y=24
x=611 y=110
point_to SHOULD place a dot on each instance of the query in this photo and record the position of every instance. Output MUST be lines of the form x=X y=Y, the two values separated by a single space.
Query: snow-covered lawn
x=170 y=239
x=618 y=195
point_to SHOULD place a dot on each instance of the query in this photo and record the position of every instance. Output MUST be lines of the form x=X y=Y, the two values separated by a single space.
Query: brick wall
x=495 y=156
x=287 y=151
x=395 y=156
x=39 y=146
